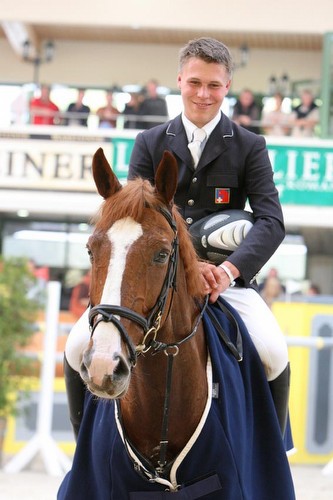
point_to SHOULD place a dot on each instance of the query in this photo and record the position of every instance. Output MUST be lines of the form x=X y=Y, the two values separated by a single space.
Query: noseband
x=150 y=325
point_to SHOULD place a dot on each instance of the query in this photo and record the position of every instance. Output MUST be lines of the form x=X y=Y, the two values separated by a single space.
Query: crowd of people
x=300 y=121
x=146 y=109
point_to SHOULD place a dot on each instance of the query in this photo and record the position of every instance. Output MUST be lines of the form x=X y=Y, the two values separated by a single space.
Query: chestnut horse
x=134 y=256
x=149 y=353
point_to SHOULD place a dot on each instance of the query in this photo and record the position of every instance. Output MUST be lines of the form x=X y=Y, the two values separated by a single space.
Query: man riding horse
x=235 y=163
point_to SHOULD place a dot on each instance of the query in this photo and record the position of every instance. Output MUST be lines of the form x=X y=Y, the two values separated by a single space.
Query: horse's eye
x=91 y=257
x=161 y=256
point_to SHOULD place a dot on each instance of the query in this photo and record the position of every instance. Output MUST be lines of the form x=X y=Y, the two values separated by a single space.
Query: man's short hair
x=209 y=50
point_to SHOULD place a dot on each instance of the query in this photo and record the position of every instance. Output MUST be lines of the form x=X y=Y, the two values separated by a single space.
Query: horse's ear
x=106 y=182
x=167 y=177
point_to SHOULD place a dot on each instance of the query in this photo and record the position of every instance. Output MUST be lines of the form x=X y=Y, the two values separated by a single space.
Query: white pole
x=315 y=342
x=45 y=407
x=55 y=461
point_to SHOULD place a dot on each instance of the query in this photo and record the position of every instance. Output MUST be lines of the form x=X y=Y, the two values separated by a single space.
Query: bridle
x=152 y=323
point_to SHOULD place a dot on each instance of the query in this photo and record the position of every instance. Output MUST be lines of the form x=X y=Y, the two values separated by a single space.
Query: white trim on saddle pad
x=172 y=484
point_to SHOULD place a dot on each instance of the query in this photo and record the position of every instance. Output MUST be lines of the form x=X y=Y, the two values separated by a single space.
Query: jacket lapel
x=177 y=140
x=217 y=143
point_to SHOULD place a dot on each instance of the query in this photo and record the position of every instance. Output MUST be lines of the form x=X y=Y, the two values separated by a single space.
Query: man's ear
x=228 y=85
x=179 y=79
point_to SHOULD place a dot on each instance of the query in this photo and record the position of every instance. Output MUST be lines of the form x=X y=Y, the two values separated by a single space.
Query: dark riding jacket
x=234 y=168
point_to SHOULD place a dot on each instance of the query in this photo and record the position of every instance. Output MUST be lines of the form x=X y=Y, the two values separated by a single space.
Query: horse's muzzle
x=105 y=376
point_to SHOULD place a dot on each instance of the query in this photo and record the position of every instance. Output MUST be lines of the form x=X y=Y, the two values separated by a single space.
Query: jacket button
x=194 y=179
x=189 y=220
x=190 y=203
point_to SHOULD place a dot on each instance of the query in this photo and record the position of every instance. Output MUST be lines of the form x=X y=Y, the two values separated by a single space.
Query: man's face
x=45 y=93
x=203 y=87
x=306 y=98
x=246 y=98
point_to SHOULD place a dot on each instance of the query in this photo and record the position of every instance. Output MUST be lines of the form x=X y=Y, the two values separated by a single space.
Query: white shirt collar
x=208 y=128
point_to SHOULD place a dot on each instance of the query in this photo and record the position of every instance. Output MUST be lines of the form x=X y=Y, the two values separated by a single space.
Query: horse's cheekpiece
x=216 y=236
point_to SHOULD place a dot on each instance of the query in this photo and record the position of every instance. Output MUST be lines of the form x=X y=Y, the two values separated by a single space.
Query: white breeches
x=263 y=328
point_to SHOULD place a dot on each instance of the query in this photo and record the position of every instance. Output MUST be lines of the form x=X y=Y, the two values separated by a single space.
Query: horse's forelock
x=130 y=201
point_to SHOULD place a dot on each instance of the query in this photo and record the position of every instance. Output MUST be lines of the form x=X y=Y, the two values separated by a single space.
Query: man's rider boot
x=280 y=392
x=75 y=389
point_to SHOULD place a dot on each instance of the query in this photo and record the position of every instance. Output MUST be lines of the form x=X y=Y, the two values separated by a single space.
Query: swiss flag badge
x=222 y=195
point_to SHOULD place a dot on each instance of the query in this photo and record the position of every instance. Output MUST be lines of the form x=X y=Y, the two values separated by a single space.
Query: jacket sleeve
x=268 y=230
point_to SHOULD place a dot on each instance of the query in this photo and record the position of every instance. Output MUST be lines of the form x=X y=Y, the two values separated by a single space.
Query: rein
x=170 y=350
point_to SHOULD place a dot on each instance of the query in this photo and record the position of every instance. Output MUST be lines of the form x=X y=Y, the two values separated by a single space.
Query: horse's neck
x=142 y=408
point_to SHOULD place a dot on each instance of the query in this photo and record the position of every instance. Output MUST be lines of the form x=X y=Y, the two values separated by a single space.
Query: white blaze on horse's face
x=106 y=354
x=122 y=235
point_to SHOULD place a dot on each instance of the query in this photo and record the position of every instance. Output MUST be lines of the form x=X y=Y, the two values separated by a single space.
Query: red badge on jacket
x=222 y=195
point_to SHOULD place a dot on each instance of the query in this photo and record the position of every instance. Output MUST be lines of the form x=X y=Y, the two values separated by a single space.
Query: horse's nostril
x=83 y=370
x=122 y=368
x=87 y=357
x=102 y=370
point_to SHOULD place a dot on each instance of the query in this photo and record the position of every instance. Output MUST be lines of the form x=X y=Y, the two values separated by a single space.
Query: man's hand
x=215 y=279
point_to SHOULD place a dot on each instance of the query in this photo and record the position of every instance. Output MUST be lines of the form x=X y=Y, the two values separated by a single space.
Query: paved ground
x=311 y=484
x=34 y=484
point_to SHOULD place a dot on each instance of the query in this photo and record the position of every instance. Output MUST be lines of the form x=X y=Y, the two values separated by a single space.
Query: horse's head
x=133 y=252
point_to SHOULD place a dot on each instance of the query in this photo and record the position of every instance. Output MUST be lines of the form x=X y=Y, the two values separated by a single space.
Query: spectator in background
x=272 y=290
x=77 y=112
x=246 y=112
x=153 y=105
x=272 y=273
x=305 y=117
x=276 y=122
x=42 y=110
x=132 y=111
x=79 y=299
x=313 y=290
x=108 y=114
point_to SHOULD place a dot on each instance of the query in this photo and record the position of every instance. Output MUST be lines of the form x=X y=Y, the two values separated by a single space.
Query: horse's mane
x=137 y=195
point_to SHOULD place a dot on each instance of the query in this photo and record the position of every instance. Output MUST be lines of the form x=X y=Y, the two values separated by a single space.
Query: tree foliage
x=18 y=313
